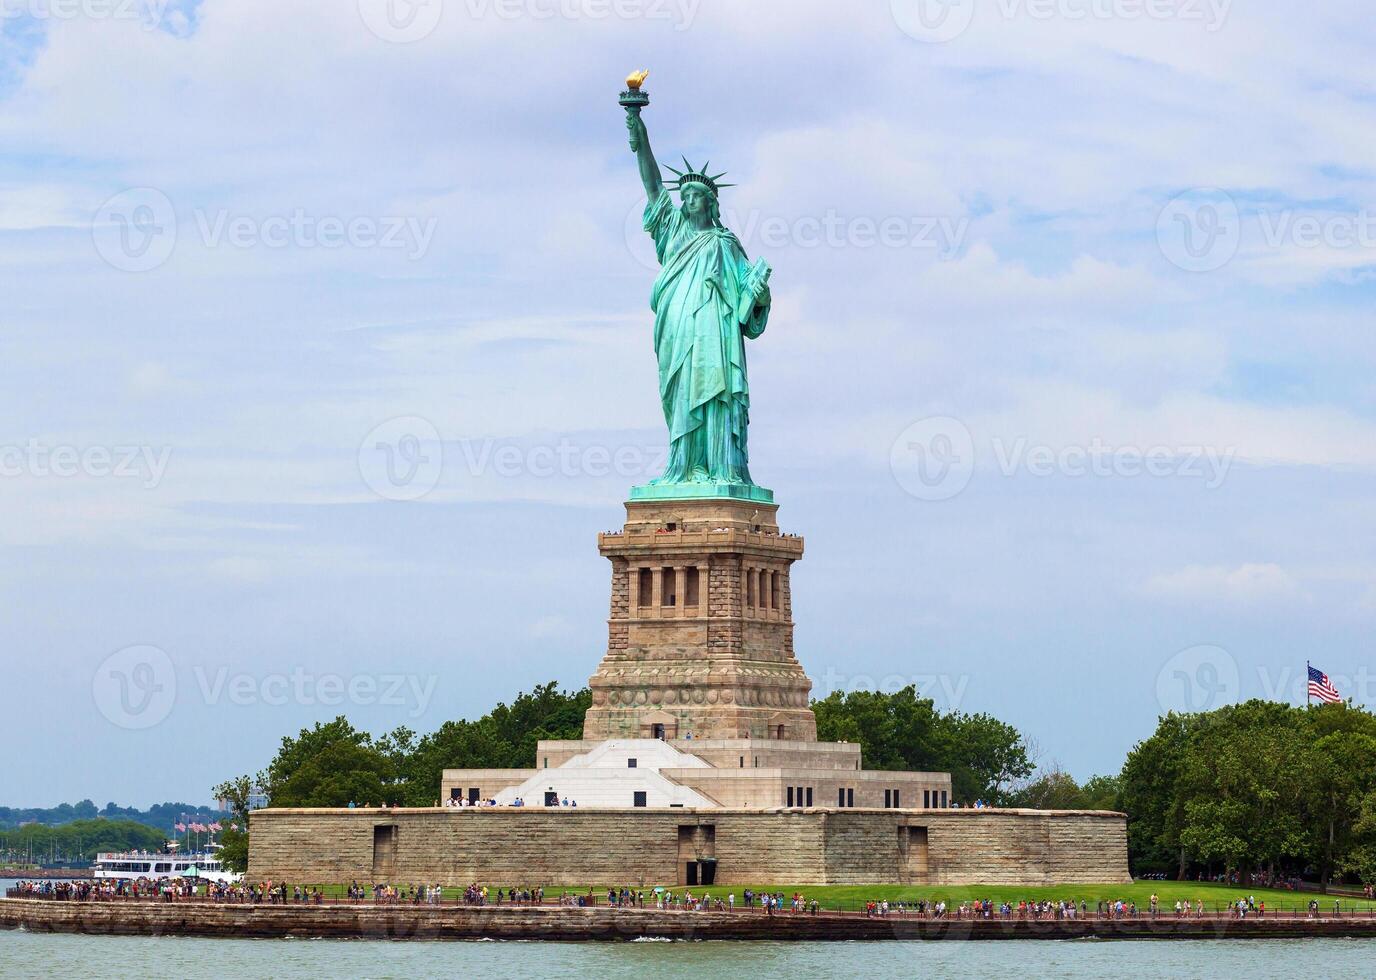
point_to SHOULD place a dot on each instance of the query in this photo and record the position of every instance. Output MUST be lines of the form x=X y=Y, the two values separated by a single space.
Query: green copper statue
x=707 y=300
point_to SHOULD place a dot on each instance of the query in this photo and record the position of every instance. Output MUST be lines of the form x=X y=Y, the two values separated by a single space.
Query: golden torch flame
x=637 y=78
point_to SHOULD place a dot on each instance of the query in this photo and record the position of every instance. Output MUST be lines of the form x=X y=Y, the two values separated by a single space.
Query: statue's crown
x=696 y=175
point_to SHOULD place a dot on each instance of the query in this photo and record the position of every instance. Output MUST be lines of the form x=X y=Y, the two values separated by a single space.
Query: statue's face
x=697 y=203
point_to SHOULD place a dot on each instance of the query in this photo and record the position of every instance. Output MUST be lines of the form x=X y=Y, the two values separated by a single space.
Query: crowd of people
x=462 y=803
x=167 y=890
x=767 y=903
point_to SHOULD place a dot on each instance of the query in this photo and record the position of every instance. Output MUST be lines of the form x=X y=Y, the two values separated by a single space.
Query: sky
x=325 y=353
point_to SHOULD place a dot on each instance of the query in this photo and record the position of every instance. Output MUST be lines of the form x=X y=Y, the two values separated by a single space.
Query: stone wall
x=638 y=846
x=976 y=845
x=553 y=922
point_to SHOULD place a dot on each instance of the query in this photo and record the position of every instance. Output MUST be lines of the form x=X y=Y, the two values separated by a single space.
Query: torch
x=633 y=100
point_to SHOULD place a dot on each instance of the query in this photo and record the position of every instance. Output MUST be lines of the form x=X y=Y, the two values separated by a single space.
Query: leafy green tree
x=1344 y=776
x=339 y=773
x=1052 y=789
x=1102 y=793
x=1246 y=778
x=77 y=841
x=236 y=792
x=234 y=849
x=903 y=731
x=894 y=731
x=985 y=757
x=294 y=753
x=1148 y=795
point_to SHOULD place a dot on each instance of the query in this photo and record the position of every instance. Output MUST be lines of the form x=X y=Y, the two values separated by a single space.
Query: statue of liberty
x=707 y=299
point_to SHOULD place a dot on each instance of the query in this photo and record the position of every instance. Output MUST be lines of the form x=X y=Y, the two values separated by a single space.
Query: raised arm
x=640 y=143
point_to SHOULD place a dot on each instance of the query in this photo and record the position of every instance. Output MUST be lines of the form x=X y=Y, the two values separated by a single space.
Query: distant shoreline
x=42 y=874
x=565 y=923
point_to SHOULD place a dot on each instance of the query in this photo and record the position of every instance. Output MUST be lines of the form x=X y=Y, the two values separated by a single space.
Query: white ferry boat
x=202 y=865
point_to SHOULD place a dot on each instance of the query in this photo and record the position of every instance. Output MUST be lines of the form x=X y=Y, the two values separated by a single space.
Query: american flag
x=1321 y=687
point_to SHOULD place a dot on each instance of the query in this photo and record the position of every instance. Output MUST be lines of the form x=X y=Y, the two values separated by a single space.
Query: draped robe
x=700 y=345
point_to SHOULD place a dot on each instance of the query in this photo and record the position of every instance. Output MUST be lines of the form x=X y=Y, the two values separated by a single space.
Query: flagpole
x=1308 y=695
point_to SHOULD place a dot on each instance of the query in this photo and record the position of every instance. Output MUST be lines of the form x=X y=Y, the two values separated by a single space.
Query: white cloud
x=1246 y=584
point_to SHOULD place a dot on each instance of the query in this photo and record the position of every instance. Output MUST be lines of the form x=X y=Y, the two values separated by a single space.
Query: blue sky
x=1068 y=381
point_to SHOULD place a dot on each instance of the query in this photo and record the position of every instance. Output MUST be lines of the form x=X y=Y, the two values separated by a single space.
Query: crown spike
x=693 y=175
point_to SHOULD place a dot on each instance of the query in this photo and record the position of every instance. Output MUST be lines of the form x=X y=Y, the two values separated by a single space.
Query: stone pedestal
x=700 y=639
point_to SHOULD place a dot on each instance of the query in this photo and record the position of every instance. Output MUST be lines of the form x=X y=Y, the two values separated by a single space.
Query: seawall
x=561 y=923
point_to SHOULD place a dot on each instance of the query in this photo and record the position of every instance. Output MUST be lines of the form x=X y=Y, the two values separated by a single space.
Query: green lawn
x=855 y=896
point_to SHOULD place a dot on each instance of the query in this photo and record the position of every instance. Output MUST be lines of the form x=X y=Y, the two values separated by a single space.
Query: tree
x=1103 y=793
x=903 y=731
x=984 y=756
x=1052 y=789
x=236 y=792
x=1148 y=794
x=1244 y=782
x=504 y=738
x=78 y=841
x=340 y=773
x=234 y=849
x=1344 y=747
